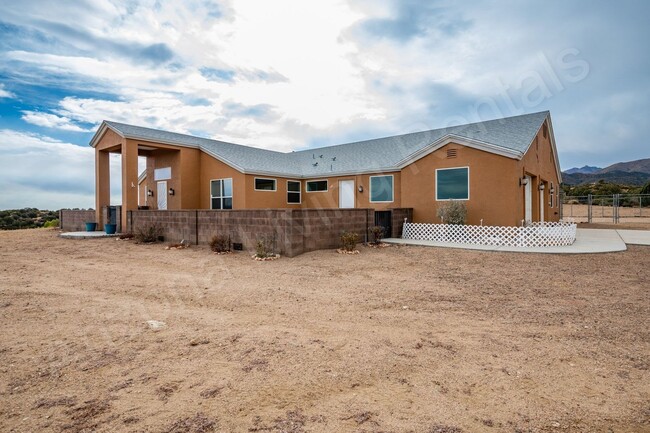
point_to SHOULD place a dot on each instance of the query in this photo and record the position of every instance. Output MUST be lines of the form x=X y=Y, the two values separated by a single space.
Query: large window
x=221 y=193
x=293 y=192
x=452 y=183
x=316 y=185
x=262 y=184
x=381 y=189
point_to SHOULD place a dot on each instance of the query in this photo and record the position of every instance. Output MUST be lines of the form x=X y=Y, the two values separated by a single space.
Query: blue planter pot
x=91 y=227
x=110 y=228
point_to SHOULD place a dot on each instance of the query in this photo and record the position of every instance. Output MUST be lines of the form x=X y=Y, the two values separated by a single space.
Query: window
x=452 y=183
x=221 y=194
x=316 y=185
x=381 y=189
x=262 y=184
x=293 y=192
x=162 y=173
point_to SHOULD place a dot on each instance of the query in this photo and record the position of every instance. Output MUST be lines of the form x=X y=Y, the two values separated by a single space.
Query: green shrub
x=51 y=223
x=376 y=234
x=220 y=244
x=349 y=241
x=149 y=234
x=453 y=212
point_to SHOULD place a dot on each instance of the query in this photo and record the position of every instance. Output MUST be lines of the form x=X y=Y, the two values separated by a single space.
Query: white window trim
x=232 y=184
x=450 y=199
x=392 y=192
x=275 y=184
x=317 y=180
x=299 y=192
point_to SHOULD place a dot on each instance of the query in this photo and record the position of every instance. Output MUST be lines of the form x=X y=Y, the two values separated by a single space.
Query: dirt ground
x=399 y=339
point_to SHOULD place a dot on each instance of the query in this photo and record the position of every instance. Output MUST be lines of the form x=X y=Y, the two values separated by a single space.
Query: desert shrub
x=51 y=223
x=220 y=244
x=349 y=241
x=149 y=234
x=453 y=212
x=376 y=234
x=265 y=246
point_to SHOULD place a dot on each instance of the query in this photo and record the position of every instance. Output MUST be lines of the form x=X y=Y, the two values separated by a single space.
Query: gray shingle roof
x=509 y=136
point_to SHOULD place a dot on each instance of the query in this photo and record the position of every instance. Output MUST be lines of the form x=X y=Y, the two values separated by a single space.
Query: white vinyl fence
x=535 y=235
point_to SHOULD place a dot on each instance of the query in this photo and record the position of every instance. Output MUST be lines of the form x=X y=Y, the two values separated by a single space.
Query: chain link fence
x=612 y=208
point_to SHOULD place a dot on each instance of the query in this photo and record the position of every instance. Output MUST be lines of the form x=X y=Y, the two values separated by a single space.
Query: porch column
x=102 y=184
x=129 y=180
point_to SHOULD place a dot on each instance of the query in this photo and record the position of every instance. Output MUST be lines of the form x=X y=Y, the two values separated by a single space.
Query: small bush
x=220 y=244
x=125 y=236
x=51 y=223
x=453 y=212
x=349 y=241
x=376 y=234
x=265 y=246
x=149 y=234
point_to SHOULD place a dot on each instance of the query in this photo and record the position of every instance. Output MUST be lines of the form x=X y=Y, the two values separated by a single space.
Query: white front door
x=346 y=194
x=528 y=199
x=162 y=195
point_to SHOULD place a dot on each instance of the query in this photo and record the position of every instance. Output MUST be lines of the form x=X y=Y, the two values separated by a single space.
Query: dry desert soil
x=398 y=339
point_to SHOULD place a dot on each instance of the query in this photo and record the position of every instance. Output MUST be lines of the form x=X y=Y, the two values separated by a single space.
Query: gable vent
x=452 y=153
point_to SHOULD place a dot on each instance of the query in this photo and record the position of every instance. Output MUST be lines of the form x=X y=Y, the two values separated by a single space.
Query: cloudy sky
x=288 y=75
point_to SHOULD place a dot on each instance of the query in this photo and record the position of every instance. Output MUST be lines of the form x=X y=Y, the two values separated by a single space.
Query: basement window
x=221 y=194
x=452 y=183
x=262 y=184
x=316 y=185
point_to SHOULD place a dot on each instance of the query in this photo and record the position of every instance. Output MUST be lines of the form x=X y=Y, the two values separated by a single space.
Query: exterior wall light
x=360 y=189
x=523 y=181
x=171 y=191
x=552 y=190
x=149 y=193
x=541 y=187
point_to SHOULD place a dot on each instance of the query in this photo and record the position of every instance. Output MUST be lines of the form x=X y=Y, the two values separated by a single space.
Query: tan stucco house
x=505 y=170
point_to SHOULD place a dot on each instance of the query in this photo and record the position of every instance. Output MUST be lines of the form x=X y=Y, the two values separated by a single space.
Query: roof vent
x=452 y=153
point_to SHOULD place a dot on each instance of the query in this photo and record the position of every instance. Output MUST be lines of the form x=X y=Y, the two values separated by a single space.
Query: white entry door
x=528 y=199
x=162 y=195
x=346 y=194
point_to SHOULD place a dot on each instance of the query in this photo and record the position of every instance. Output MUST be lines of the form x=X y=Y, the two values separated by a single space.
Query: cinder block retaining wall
x=295 y=230
x=75 y=220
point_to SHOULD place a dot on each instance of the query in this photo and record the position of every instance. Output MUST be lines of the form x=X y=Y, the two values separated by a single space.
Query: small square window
x=381 y=189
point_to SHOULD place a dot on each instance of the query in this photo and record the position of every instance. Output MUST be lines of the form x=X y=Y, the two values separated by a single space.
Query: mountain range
x=627 y=173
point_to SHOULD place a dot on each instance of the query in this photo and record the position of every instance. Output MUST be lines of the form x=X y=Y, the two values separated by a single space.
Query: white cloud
x=5 y=93
x=39 y=171
x=53 y=121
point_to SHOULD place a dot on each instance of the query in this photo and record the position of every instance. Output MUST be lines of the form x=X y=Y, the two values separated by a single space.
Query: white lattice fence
x=536 y=235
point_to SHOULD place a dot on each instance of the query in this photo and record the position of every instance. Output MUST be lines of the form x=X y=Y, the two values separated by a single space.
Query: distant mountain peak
x=586 y=169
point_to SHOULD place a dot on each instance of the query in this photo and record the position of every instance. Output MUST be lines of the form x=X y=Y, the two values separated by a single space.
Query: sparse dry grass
x=398 y=339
